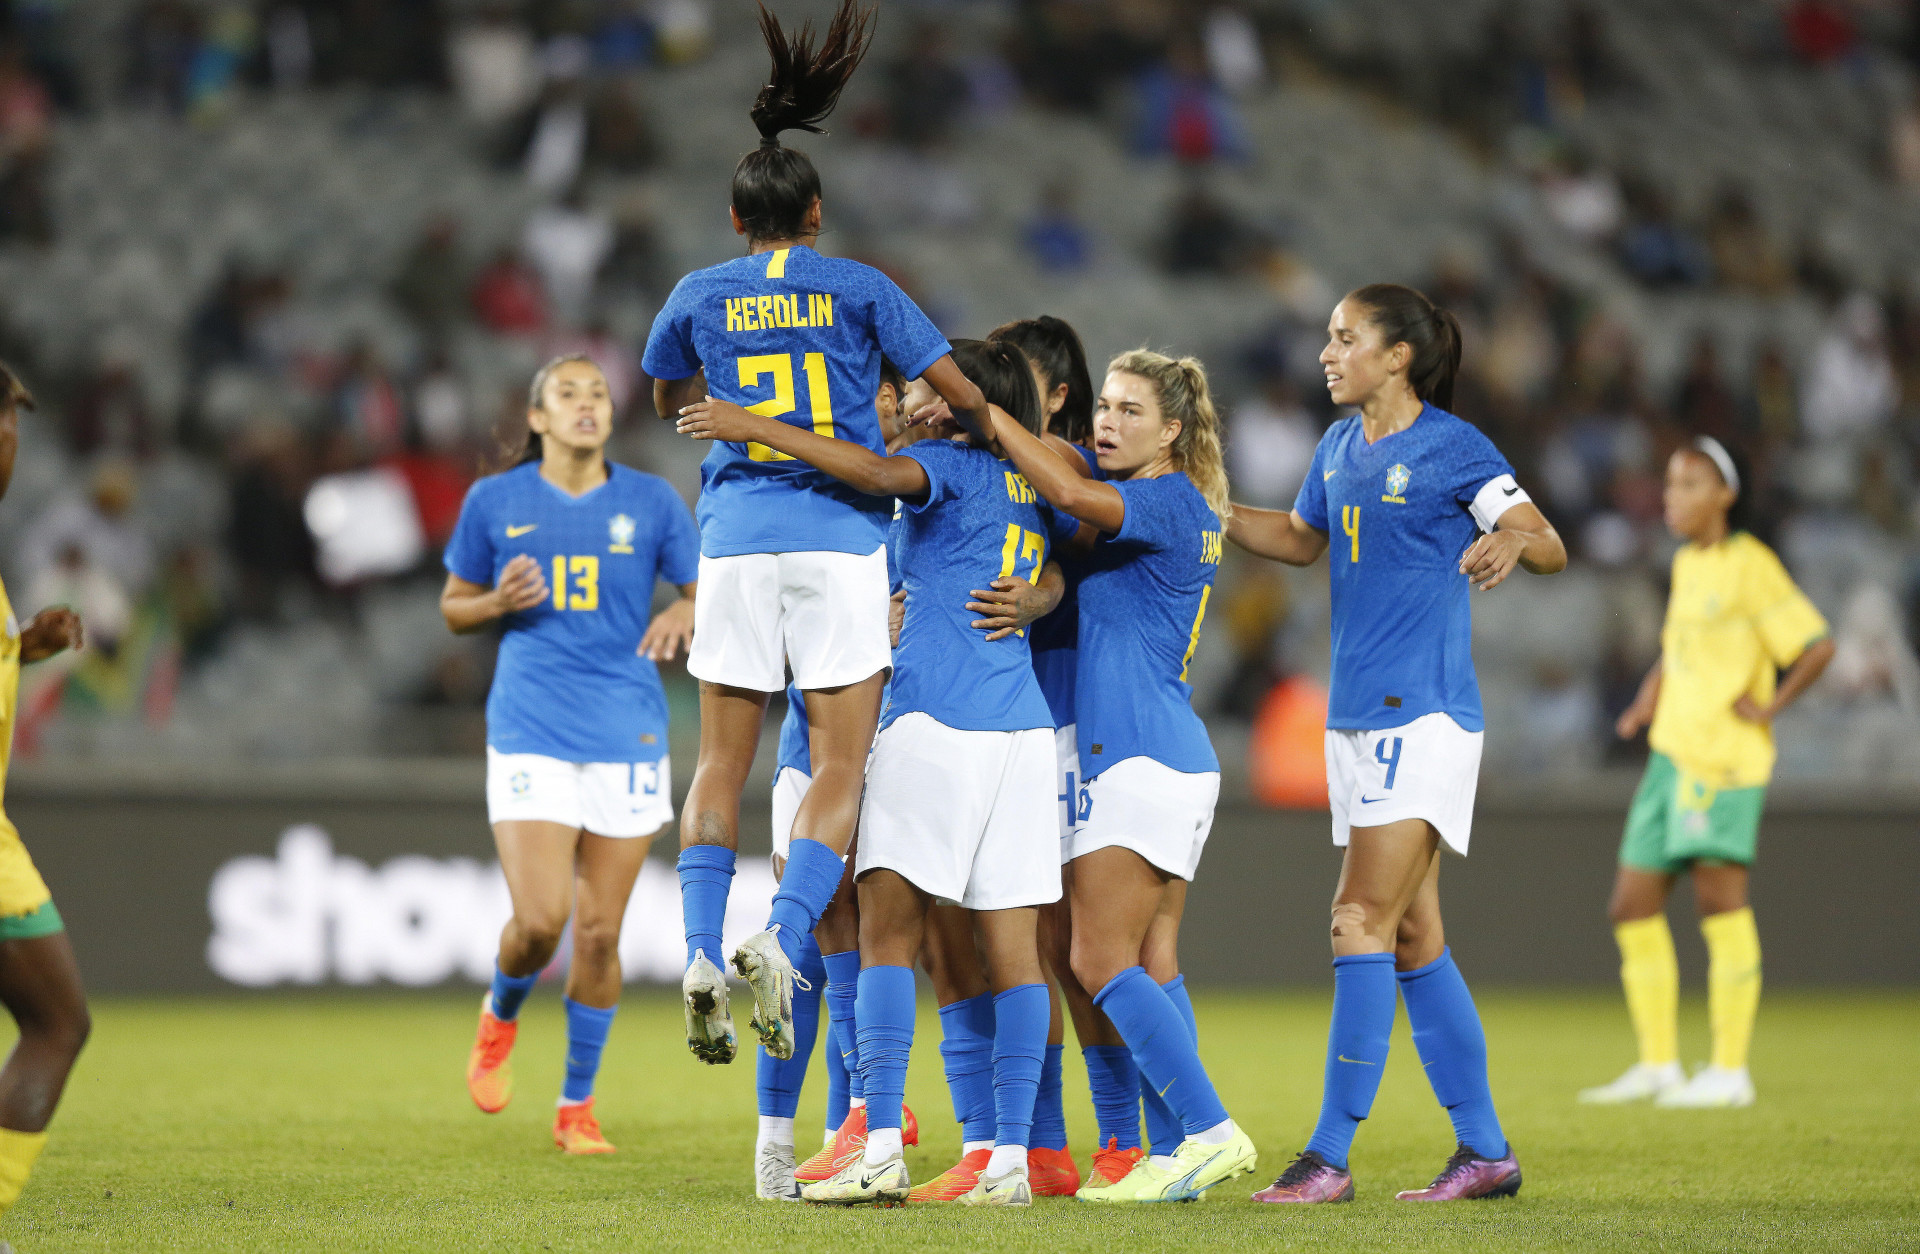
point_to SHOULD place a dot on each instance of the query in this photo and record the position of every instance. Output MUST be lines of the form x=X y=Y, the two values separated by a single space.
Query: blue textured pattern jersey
x=1143 y=596
x=796 y=750
x=981 y=520
x=569 y=683
x=1397 y=517
x=1056 y=638
x=792 y=335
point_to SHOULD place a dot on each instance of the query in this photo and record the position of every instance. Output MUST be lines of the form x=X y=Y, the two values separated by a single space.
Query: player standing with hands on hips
x=1426 y=509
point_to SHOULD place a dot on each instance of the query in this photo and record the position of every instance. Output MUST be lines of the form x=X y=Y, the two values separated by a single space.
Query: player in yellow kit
x=1734 y=618
x=39 y=981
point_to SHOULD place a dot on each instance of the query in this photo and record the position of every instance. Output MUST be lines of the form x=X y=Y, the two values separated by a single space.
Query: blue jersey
x=569 y=683
x=981 y=520
x=1406 y=508
x=796 y=750
x=792 y=335
x=1143 y=597
x=1056 y=638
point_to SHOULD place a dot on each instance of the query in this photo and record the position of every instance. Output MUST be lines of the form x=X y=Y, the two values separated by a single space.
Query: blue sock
x=587 y=1028
x=837 y=1093
x=806 y=889
x=1453 y=1049
x=1049 y=1110
x=779 y=1081
x=885 y=1012
x=508 y=992
x=843 y=983
x=1164 y=1132
x=706 y=873
x=1163 y=1046
x=1020 y=1019
x=967 y=1031
x=1114 y=1078
x=1363 y=1005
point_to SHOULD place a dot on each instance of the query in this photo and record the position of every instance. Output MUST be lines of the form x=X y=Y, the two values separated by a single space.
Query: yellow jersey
x=1734 y=618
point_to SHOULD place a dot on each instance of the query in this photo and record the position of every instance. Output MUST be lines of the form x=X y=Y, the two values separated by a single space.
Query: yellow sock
x=1733 y=983
x=1651 y=976
x=18 y=1150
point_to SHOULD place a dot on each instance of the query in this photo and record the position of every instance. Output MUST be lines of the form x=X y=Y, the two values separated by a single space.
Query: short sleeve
x=906 y=335
x=1483 y=481
x=1061 y=526
x=1782 y=614
x=943 y=462
x=670 y=353
x=679 y=560
x=469 y=553
x=1152 y=518
x=1311 y=502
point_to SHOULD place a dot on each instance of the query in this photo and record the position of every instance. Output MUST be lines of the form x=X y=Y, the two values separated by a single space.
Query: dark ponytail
x=1001 y=372
x=1055 y=350
x=515 y=452
x=1406 y=316
x=773 y=186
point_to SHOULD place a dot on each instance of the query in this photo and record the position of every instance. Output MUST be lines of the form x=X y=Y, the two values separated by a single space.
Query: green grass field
x=329 y=1123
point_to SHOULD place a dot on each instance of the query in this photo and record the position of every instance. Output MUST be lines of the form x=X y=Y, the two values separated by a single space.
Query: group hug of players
x=980 y=575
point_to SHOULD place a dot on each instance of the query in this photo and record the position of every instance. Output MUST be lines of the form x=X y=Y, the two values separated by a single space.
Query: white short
x=823 y=614
x=963 y=815
x=1066 y=806
x=1161 y=814
x=1427 y=769
x=789 y=788
x=605 y=798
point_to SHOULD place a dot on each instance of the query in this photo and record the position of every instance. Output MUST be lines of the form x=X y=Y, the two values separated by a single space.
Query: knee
x=1094 y=966
x=1350 y=921
x=596 y=944
x=64 y=1032
x=539 y=930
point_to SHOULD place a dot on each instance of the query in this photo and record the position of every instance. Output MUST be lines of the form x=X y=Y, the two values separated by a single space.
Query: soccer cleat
x=1199 y=1167
x=851 y=1139
x=773 y=1174
x=1052 y=1172
x=576 y=1131
x=1011 y=1189
x=764 y=966
x=955 y=1182
x=709 y=1026
x=1111 y=1165
x=489 y=1074
x=1636 y=1084
x=858 y=1184
x=1467 y=1175
x=1143 y=1178
x=1309 y=1178
x=1710 y=1088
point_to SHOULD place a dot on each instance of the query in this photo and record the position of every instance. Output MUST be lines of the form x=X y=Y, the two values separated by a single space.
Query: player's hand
x=718 y=420
x=896 y=615
x=1010 y=604
x=1752 y=711
x=1492 y=558
x=937 y=418
x=669 y=633
x=53 y=630
x=1631 y=720
x=522 y=585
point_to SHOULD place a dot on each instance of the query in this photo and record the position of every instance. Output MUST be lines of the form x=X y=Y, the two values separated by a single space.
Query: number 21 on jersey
x=780 y=366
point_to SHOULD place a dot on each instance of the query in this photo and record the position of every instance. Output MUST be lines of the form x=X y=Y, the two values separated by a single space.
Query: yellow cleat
x=489 y=1074
x=576 y=1131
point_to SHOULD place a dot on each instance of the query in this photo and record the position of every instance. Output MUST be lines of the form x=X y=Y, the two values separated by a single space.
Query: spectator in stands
x=1850 y=391
x=99 y=523
x=637 y=266
x=365 y=404
x=1655 y=248
x=494 y=64
x=439 y=404
x=506 y=295
x=1235 y=58
x=1185 y=114
x=431 y=287
x=1055 y=237
x=1270 y=441
x=76 y=581
x=26 y=122
x=1582 y=197
x=162 y=38
x=1202 y=236
x=289 y=47
x=620 y=137
x=550 y=145
x=1821 y=32
x=1745 y=257
x=682 y=29
x=109 y=412
x=1705 y=405
x=383 y=43
x=266 y=532
x=567 y=243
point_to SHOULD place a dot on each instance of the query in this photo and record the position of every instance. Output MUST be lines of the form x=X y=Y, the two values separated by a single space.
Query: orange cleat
x=1111 y=1165
x=850 y=1140
x=955 y=1182
x=489 y=1075
x=576 y=1131
x=1052 y=1172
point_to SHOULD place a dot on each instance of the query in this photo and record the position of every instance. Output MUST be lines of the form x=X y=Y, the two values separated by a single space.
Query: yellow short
x=25 y=903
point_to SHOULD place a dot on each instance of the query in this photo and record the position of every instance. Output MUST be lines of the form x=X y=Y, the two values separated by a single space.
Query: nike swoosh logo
x=514 y=533
x=1358 y=1062
x=1170 y=1084
x=1328 y=474
x=1367 y=801
x=866 y=1181
x=1510 y=491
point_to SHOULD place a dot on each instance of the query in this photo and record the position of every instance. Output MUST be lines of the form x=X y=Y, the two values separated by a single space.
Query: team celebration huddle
x=979 y=572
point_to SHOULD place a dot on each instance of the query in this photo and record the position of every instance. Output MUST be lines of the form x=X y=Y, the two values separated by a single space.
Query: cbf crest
x=1397 y=480
x=620 y=534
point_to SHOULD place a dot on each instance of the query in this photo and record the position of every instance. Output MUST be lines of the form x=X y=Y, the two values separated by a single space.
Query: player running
x=792 y=562
x=565 y=549
x=1427 y=507
x=39 y=979
x=1734 y=617
x=958 y=791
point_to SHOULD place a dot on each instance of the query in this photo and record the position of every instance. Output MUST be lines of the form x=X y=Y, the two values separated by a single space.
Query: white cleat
x=1011 y=1189
x=763 y=965
x=709 y=1025
x=773 y=1174
x=1711 y=1088
x=858 y=1184
x=1637 y=1083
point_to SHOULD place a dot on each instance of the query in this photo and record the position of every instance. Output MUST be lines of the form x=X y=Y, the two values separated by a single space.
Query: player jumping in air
x=566 y=548
x=1426 y=509
x=1734 y=617
x=792 y=565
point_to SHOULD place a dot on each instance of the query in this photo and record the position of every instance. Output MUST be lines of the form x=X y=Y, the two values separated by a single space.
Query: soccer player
x=959 y=789
x=39 y=980
x=1734 y=617
x=1426 y=507
x=1149 y=777
x=792 y=562
x=564 y=549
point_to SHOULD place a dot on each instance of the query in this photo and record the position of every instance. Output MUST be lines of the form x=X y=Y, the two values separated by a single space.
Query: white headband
x=1716 y=453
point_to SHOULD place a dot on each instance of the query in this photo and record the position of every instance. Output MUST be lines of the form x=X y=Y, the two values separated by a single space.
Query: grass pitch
x=325 y=1123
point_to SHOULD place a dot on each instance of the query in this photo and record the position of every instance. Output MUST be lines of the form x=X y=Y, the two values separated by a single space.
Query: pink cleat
x=1467 y=1175
x=1309 y=1178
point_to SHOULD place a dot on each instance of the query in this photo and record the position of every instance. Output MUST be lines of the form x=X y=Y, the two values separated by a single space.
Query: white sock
x=1007 y=1158
x=1165 y=1162
x=971 y=1146
x=833 y=1134
x=563 y=1102
x=774 y=1131
x=1219 y=1134
x=882 y=1144
x=855 y=1103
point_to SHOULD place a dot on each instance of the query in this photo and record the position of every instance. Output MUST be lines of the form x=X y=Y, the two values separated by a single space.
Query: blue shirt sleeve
x=469 y=552
x=679 y=561
x=1476 y=463
x=1152 y=519
x=906 y=335
x=1061 y=528
x=1311 y=503
x=670 y=352
x=936 y=457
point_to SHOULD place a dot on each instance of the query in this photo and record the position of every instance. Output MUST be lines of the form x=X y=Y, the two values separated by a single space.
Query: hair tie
x=1716 y=452
x=769 y=141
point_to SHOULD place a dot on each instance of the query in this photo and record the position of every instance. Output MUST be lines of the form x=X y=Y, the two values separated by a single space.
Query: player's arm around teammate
x=578 y=779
